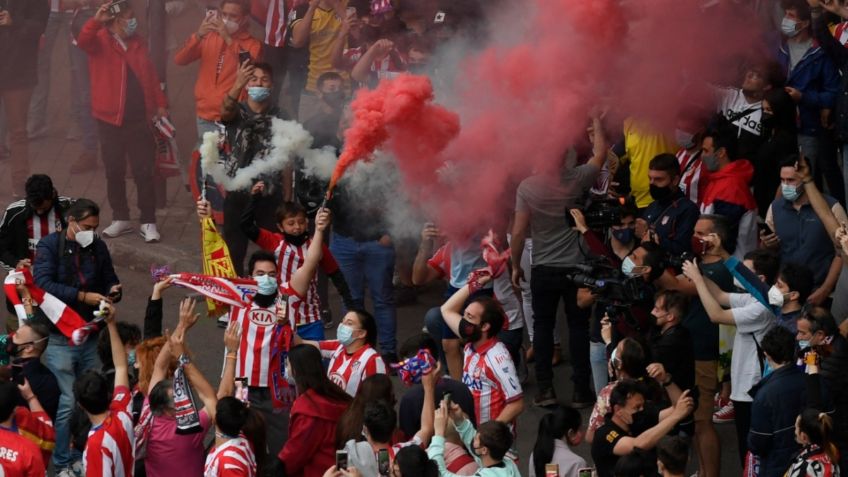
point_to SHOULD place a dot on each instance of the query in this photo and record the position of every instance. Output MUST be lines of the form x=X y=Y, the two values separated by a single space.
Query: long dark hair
x=309 y=374
x=818 y=426
x=233 y=417
x=553 y=426
x=373 y=388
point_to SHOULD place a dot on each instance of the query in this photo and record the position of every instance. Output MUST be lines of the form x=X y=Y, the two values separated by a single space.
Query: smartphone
x=764 y=228
x=341 y=460
x=447 y=399
x=116 y=7
x=586 y=472
x=244 y=56
x=551 y=470
x=383 y=463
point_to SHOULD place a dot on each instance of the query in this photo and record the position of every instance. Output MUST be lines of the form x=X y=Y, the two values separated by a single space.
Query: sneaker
x=224 y=320
x=86 y=162
x=78 y=468
x=545 y=398
x=66 y=472
x=582 y=399
x=716 y=402
x=725 y=414
x=149 y=232
x=117 y=228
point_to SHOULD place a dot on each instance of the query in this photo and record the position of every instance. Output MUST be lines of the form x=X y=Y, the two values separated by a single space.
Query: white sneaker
x=224 y=320
x=66 y=472
x=78 y=468
x=149 y=232
x=118 y=228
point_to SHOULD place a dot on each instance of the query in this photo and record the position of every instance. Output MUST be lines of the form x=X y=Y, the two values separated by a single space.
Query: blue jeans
x=371 y=264
x=68 y=363
x=598 y=358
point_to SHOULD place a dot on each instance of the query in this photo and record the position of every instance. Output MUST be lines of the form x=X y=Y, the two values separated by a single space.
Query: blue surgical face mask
x=258 y=93
x=788 y=27
x=627 y=266
x=766 y=368
x=790 y=192
x=803 y=344
x=344 y=334
x=266 y=283
x=624 y=235
x=131 y=358
x=132 y=26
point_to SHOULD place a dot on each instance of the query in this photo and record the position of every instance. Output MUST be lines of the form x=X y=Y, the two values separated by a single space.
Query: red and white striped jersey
x=694 y=177
x=490 y=375
x=349 y=370
x=277 y=22
x=290 y=257
x=39 y=227
x=233 y=458
x=257 y=345
x=109 y=451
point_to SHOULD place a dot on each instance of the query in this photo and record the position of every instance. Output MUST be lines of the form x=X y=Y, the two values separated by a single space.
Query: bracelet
x=230 y=356
x=669 y=382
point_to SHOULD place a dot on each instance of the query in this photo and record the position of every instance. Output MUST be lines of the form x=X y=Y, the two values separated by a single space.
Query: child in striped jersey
x=289 y=245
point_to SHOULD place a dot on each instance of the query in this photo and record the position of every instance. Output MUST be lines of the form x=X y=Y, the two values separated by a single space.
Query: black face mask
x=661 y=194
x=296 y=240
x=12 y=348
x=767 y=121
x=469 y=331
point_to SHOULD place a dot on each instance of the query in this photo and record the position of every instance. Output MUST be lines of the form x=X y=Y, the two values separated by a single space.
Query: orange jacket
x=218 y=67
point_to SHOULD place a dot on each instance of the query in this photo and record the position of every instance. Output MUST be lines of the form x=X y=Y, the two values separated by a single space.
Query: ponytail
x=555 y=425
x=818 y=427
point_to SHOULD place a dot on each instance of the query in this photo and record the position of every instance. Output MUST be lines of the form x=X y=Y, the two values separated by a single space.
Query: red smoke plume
x=399 y=109
x=525 y=100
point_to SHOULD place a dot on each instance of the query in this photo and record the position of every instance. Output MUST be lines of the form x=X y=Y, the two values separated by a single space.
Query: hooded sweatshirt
x=436 y=451
x=729 y=194
x=311 y=447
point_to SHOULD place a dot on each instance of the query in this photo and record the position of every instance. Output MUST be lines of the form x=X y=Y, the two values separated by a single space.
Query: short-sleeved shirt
x=110 y=450
x=603 y=447
x=601 y=408
x=348 y=370
x=19 y=456
x=490 y=375
x=753 y=319
x=234 y=458
x=169 y=452
x=325 y=25
x=546 y=197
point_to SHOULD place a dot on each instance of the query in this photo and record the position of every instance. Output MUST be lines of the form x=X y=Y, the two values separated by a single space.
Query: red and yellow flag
x=216 y=260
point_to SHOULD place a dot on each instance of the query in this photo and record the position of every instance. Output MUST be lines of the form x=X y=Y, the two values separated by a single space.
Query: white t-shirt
x=753 y=320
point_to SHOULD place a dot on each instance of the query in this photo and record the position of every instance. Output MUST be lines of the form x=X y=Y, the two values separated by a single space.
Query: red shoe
x=725 y=414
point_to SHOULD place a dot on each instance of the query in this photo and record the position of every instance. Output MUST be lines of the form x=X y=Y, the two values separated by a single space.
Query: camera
x=116 y=7
x=601 y=212
x=677 y=261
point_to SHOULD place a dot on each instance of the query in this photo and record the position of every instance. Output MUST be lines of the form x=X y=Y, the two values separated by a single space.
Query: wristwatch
x=184 y=360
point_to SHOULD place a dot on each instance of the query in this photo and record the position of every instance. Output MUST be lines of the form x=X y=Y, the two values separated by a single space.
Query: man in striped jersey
x=109 y=451
x=25 y=222
x=266 y=332
x=488 y=370
x=289 y=246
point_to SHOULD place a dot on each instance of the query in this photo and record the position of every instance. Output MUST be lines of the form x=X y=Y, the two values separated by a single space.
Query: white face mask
x=84 y=237
x=775 y=296
x=788 y=27
x=231 y=26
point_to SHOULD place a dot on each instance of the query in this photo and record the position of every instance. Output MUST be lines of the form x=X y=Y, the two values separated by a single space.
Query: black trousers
x=132 y=140
x=743 y=426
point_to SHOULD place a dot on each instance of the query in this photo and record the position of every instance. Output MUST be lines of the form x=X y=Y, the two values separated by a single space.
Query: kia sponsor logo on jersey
x=261 y=317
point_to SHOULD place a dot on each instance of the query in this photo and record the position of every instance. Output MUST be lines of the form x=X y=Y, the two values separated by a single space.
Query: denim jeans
x=598 y=358
x=57 y=25
x=549 y=286
x=68 y=363
x=370 y=264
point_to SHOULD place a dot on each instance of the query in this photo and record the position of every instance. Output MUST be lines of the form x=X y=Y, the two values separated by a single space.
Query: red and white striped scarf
x=228 y=291
x=64 y=317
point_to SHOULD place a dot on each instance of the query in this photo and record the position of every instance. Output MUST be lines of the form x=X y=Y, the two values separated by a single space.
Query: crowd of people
x=701 y=271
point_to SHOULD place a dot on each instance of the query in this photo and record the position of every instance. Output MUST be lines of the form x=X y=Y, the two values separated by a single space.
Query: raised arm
x=302 y=27
x=428 y=382
x=232 y=339
x=712 y=306
x=119 y=355
x=195 y=377
x=422 y=272
x=303 y=276
x=452 y=309
x=649 y=439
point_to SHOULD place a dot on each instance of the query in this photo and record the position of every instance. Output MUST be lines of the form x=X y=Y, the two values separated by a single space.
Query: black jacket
x=14 y=237
x=43 y=383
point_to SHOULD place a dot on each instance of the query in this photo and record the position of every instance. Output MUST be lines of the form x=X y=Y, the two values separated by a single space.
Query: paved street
x=180 y=234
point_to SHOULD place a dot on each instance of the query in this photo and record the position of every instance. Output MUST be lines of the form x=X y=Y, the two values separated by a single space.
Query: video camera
x=601 y=212
x=608 y=283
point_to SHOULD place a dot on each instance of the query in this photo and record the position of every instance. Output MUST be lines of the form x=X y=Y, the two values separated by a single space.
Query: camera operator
x=541 y=203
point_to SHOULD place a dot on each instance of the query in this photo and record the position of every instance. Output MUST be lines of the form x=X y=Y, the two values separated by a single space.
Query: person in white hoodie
x=488 y=445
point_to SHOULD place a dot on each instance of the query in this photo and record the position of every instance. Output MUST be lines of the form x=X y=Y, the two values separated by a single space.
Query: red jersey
x=110 y=450
x=490 y=375
x=38 y=428
x=290 y=257
x=19 y=456
x=233 y=458
x=348 y=370
x=39 y=227
x=258 y=344
x=694 y=177
x=277 y=22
